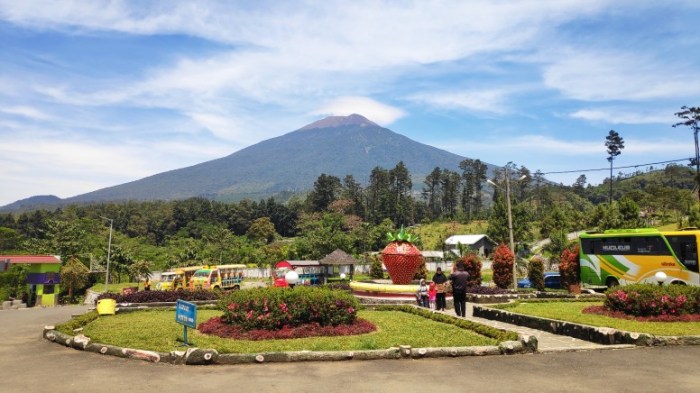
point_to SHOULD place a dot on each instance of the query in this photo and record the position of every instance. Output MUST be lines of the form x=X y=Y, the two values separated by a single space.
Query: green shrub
x=375 y=268
x=472 y=265
x=503 y=260
x=569 y=266
x=276 y=308
x=4 y=294
x=535 y=273
x=653 y=300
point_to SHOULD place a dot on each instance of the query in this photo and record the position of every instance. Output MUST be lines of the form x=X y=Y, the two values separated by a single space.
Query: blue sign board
x=186 y=313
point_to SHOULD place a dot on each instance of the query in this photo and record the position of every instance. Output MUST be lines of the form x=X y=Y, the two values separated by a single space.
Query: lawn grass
x=117 y=287
x=572 y=312
x=156 y=330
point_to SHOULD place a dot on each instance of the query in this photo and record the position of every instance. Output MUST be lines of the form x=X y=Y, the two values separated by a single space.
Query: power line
x=619 y=167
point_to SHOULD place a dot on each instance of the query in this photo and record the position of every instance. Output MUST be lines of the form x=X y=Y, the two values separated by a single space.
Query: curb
x=600 y=335
x=200 y=356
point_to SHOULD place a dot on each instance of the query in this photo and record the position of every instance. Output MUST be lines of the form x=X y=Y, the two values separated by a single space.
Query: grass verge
x=572 y=312
x=156 y=330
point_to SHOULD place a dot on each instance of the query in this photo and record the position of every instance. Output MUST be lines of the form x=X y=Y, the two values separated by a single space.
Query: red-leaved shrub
x=503 y=260
x=472 y=265
x=569 y=266
x=217 y=327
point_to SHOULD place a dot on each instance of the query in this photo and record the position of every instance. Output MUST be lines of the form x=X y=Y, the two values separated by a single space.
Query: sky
x=99 y=93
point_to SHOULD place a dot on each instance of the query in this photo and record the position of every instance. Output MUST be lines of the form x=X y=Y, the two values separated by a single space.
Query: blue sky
x=99 y=93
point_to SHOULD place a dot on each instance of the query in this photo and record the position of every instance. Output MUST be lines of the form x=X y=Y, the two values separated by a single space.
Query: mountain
x=32 y=203
x=336 y=145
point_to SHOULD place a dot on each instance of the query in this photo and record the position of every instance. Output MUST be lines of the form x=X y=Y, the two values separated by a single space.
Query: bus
x=628 y=256
x=177 y=278
x=221 y=277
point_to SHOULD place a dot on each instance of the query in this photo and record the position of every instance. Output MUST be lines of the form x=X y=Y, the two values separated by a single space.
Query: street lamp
x=109 y=251
x=291 y=278
x=660 y=277
x=510 y=219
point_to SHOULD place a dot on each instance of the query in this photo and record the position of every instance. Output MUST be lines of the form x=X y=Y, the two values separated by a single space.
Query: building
x=482 y=244
x=43 y=279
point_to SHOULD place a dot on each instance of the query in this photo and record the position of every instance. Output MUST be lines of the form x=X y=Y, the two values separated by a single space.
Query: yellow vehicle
x=178 y=278
x=628 y=256
x=168 y=281
x=222 y=277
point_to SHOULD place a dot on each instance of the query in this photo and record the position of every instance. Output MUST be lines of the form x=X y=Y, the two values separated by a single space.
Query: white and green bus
x=627 y=256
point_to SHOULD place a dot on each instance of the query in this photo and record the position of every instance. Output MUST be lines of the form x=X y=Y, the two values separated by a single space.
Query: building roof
x=338 y=257
x=466 y=239
x=29 y=259
x=432 y=254
x=302 y=263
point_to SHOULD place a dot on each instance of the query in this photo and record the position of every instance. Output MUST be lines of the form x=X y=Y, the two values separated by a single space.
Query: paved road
x=30 y=364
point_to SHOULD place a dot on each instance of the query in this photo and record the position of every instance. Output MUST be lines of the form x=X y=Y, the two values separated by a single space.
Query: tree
x=326 y=190
x=503 y=260
x=74 y=274
x=139 y=269
x=614 y=144
x=580 y=184
x=431 y=192
x=400 y=201
x=262 y=229
x=691 y=118
x=352 y=191
x=378 y=195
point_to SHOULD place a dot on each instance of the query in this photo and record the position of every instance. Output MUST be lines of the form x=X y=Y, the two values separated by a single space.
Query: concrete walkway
x=546 y=342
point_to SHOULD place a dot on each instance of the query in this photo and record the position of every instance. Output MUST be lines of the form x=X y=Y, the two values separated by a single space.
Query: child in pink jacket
x=432 y=294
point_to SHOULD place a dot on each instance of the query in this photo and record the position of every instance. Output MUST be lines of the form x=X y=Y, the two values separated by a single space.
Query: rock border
x=201 y=356
x=600 y=335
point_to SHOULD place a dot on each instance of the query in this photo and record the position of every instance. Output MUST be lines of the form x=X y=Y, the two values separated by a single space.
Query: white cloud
x=593 y=75
x=375 y=111
x=623 y=116
x=27 y=112
x=494 y=101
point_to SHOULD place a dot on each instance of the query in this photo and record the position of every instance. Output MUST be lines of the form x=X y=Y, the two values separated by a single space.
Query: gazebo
x=344 y=261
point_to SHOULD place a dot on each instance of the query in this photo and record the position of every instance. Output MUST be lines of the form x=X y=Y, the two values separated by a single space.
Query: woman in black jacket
x=440 y=279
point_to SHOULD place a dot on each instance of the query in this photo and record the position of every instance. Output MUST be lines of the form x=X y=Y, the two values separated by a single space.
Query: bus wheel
x=236 y=288
x=677 y=283
x=612 y=282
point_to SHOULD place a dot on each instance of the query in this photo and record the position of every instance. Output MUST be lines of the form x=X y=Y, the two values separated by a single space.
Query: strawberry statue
x=401 y=257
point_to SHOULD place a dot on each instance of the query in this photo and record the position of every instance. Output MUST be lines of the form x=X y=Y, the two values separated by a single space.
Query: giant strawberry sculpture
x=401 y=257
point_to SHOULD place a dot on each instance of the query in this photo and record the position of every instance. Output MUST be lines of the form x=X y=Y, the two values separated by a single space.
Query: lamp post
x=109 y=251
x=510 y=219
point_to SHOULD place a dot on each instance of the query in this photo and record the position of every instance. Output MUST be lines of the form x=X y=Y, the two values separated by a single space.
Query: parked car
x=552 y=280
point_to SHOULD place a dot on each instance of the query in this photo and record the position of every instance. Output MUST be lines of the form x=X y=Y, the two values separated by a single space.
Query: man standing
x=459 y=281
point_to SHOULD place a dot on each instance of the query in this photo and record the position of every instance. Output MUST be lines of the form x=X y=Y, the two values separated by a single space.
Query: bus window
x=686 y=249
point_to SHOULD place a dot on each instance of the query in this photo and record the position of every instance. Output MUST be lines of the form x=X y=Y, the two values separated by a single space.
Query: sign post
x=186 y=315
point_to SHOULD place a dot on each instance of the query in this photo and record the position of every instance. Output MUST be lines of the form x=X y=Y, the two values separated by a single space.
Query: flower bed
x=277 y=308
x=160 y=296
x=217 y=327
x=652 y=300
x=602 y=310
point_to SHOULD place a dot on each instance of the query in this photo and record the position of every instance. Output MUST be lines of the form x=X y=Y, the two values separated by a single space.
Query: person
x=423 y=293
x=147 y=285
x=432 y=293
x=459 y=280
x=440 y=279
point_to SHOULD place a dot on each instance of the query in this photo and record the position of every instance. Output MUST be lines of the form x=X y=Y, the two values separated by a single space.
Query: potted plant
x=401 y=257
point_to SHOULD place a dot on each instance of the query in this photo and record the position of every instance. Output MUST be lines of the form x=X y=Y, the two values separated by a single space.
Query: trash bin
x=106 y=306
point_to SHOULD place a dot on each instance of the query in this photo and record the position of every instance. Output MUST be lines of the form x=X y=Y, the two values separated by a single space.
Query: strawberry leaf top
x=401 y=236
